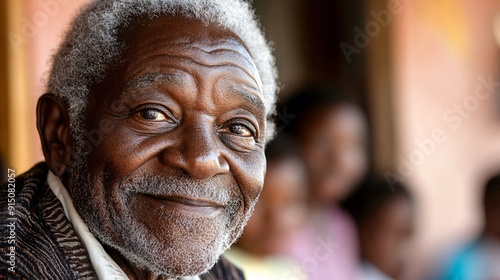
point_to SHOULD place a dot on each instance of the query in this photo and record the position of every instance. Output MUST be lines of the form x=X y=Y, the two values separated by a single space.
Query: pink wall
x=440 y=50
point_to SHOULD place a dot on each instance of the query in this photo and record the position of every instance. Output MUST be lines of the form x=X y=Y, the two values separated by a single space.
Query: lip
x=187 y=204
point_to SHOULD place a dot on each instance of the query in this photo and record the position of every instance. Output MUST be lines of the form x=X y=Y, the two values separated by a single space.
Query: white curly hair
x=91 y=46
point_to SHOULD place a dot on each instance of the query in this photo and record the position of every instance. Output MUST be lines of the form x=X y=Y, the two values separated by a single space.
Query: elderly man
x=153 y=131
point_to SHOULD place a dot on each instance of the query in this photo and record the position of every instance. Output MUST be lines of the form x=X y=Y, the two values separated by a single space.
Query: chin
x=182 y=246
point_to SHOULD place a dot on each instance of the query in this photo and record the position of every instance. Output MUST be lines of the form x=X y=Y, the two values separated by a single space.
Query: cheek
x=249 y=172
x=104 y=181
x=122 y=152
x=105 y=170
x=113 y=159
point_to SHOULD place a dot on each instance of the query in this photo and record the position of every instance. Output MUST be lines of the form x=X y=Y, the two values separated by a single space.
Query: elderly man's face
x=173 y=183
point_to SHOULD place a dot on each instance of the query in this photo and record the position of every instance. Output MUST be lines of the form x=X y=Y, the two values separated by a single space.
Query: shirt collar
x=104 y=266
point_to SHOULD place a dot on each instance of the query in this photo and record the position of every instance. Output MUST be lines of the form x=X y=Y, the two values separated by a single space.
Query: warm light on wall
x=34 y=30
x=496 y=28
x=18 y=154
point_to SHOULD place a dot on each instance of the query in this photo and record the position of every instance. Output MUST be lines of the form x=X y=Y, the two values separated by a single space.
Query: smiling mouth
x=197 y=206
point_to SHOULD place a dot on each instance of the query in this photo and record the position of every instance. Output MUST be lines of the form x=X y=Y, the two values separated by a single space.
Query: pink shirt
x=327 y=248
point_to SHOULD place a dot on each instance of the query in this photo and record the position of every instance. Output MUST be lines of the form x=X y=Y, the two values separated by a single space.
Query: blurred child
x=280 y=212
x=480 y=259
x=384 y=216
x=332 y=133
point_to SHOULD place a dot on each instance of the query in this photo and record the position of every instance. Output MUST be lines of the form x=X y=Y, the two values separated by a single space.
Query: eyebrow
x=154 y=78
x=253 y=99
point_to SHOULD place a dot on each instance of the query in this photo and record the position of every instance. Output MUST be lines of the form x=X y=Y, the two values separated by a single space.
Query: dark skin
x=385 y=236
x=187 y=97
x=333 y=141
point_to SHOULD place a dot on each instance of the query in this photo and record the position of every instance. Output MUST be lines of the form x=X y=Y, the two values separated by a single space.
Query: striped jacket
x=37 y=241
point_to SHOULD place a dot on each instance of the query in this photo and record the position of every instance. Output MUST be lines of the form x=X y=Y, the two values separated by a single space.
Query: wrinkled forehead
x=205 y=43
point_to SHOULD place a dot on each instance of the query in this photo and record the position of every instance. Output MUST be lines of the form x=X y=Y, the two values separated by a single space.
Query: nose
x=197 y=154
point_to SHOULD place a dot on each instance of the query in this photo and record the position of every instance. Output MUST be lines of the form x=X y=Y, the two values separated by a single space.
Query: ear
x=54 y=130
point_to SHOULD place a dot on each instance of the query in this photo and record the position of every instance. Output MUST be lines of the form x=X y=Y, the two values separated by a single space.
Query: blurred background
x=426 y=71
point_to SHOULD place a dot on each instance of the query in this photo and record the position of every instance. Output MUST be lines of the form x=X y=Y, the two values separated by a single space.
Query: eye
x=153 y=115
x=152 y=118
x=240 y=134
x=240 y=130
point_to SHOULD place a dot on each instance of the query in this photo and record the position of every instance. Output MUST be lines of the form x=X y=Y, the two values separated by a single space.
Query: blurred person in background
x=332 y=133
x=480 y=258
x=280 y=212
x=384 y=215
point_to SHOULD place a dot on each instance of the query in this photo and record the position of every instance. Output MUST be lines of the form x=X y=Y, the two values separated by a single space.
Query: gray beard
x=193 y=245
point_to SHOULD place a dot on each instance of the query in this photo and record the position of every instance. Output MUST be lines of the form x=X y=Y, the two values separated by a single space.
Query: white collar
x=104 y=266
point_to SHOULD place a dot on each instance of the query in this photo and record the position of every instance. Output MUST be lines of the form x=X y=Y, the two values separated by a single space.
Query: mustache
x=219 y=189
